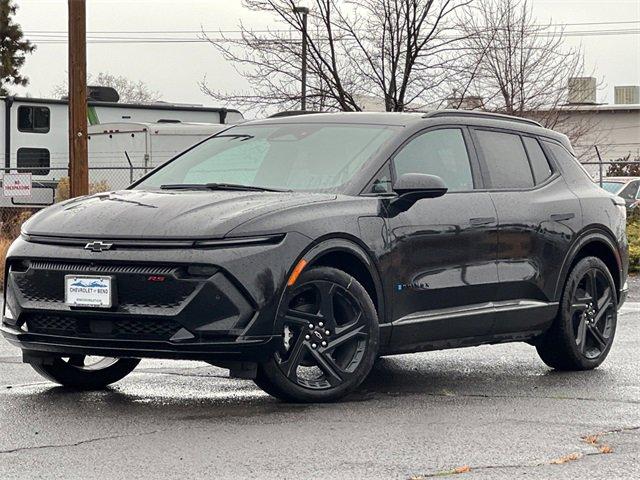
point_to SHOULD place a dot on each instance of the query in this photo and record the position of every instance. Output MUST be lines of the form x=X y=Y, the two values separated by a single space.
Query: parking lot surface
x=488 y=412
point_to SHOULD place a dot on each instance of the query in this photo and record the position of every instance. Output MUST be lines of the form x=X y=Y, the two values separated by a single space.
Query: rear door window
x=506 y=160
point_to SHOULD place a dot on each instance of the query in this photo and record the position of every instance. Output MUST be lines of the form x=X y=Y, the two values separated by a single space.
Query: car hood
x=162 y=214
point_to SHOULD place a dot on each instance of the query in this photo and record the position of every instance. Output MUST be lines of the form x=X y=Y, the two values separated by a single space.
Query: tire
x=321 y=367
x=582 y=333
x=75 y=374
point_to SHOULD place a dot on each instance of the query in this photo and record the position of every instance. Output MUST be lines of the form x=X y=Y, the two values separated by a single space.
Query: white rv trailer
x=34 y=136
x=120 y=153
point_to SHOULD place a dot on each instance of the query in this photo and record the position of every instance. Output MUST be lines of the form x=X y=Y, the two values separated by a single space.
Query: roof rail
x=292 y=113
x=477 y=114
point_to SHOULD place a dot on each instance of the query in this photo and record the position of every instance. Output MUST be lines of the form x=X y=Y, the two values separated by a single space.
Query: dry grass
x=5 y=243
x=11 y=221
x=62 y=190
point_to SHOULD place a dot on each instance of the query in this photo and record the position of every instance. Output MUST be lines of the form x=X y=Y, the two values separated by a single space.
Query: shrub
x=633 y=234
x=624 y=167
x=62 y=190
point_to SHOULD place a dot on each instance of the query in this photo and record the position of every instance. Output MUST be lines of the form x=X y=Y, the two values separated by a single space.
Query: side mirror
x=412 y=187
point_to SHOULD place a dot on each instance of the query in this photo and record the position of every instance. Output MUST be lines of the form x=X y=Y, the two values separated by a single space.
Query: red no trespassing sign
x=16 y=185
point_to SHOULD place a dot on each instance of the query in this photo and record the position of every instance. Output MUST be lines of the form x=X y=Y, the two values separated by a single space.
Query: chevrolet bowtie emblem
x=98 y=246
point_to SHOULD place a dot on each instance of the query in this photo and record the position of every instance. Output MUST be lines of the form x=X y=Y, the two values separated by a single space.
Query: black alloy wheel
x=592 y=314
x=583 y=333
x=330 y=339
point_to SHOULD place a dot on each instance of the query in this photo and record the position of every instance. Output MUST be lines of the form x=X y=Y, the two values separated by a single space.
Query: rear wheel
x=86 y=372
x=330 y=339
x=582 y=335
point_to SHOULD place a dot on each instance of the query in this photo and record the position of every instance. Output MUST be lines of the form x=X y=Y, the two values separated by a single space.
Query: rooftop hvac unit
x=582 y=90
x=465 y=103
x=627 y=95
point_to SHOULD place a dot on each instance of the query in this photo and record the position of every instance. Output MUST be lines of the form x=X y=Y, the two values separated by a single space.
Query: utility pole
x=78 y=150
x=303 y=98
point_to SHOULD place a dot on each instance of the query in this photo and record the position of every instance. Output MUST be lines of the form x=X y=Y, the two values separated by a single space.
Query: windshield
x=301 y=157
x=612 y=187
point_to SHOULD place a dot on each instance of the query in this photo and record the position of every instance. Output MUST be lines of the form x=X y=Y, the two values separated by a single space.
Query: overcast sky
x=175 y=69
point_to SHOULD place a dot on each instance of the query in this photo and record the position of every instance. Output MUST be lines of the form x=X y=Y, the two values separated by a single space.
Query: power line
x=52 y=39
x=137 y=36
x=232 y=30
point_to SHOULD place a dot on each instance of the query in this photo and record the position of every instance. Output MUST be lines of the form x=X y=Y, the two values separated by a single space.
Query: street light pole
x=303 y=98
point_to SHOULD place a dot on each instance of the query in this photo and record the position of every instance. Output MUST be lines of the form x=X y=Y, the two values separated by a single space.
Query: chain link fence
x=598 y=170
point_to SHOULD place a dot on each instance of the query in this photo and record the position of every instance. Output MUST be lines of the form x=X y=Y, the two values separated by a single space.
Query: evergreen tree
x=13 y=48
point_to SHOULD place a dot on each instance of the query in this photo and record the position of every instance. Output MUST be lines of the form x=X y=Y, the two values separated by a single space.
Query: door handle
x=559 y=217
x=482 y=221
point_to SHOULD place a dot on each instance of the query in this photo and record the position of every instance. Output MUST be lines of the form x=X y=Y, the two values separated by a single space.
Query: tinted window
x=506 y=160
x=439 y=152
x=33 y=119
x=33 y=160
x=630 y=191
x=539 y=163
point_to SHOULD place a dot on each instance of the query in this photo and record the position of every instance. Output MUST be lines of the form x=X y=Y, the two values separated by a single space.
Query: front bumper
x=225 y=316
x=246 y=350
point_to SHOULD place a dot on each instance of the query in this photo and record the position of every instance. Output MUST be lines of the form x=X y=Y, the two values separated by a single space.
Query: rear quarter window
x=539 y=163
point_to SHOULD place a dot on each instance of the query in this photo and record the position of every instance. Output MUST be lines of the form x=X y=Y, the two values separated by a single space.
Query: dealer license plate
x=88 y=291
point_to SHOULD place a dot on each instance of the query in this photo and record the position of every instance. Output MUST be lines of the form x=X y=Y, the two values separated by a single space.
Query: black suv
x=296 y=250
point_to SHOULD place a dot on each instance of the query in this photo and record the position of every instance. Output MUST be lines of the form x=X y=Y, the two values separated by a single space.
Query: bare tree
x=520 y=67
x=399 y=51
x=130 y=91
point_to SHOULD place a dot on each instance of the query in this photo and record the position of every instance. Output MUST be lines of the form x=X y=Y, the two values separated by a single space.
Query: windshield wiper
x=219 y=186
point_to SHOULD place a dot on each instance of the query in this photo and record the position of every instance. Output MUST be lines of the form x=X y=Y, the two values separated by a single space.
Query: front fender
x=346 y=244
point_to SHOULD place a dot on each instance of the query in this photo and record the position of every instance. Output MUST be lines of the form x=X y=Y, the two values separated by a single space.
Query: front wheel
x=330 y=339
x=582 y=334
x=85 y=372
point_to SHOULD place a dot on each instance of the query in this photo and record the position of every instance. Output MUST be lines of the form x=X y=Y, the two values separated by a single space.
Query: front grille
x=43 y=282
x=86 y=268
x=67 y=325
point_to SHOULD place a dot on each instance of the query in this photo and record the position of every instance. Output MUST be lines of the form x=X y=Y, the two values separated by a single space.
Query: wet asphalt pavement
x=497 y=410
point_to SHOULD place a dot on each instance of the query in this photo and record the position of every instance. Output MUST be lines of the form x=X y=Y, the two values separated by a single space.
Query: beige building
x=614 y=128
